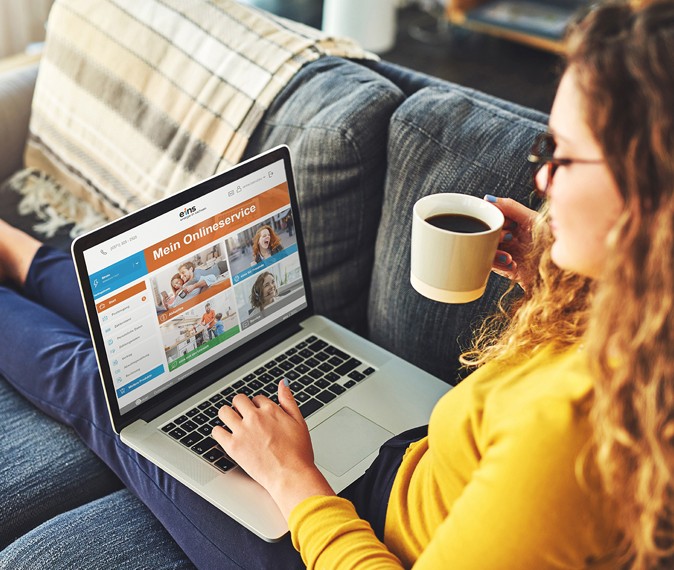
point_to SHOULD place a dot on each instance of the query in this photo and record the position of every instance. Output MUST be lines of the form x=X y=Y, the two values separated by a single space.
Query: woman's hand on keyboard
x=272 y=444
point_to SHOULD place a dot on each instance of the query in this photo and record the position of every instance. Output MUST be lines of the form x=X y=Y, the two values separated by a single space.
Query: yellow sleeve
x=329 y=534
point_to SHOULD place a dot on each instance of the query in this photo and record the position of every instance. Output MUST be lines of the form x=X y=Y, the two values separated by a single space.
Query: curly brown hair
x=622 y=55
x=274 y=242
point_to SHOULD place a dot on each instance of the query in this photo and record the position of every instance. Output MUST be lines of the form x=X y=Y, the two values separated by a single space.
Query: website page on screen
x=195 y=283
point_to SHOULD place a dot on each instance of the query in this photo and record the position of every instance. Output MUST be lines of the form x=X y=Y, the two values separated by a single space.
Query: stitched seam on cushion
x=494 y=111
x=126 y=450
x=411 y=125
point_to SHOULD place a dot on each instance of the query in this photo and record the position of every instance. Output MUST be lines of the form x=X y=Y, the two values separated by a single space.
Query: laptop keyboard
x=317 y=372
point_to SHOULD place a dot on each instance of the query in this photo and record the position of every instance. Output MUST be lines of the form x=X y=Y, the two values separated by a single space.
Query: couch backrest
x=443 y=138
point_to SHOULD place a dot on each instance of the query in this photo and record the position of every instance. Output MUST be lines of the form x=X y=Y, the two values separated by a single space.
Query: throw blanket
x=137 y=100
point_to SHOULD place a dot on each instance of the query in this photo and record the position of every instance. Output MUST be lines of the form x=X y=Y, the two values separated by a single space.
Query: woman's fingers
x=287 y=402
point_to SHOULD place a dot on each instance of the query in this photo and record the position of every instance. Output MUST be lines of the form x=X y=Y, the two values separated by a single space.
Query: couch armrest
x=16 y=94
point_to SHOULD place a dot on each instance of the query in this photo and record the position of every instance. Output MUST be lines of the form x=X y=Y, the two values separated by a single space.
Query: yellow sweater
x=493 y=486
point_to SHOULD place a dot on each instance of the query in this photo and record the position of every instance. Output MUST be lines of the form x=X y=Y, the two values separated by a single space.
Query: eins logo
x=187 y=212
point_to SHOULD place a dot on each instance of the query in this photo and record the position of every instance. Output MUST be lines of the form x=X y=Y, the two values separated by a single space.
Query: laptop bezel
x=227 y=363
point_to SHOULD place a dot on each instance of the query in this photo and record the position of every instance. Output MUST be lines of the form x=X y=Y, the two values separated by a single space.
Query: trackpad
x=345 y=439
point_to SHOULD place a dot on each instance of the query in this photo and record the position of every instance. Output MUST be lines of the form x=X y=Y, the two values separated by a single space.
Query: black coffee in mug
x=460 y=223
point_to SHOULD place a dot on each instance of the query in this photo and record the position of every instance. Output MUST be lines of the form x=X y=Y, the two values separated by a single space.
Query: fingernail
x=490 y=198
x=508 y=237
x=502 y=258
x=285 y=382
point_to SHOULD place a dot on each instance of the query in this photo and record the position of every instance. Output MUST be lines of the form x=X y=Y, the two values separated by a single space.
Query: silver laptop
x=205 y=294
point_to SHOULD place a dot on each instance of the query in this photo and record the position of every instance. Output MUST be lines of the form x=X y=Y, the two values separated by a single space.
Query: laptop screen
x=192 y=284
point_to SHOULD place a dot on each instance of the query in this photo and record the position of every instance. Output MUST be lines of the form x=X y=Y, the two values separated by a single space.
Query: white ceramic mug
x=372 y=23
x=453 y=266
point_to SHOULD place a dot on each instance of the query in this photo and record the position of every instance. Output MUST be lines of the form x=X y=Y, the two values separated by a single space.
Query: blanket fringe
x=53 y=205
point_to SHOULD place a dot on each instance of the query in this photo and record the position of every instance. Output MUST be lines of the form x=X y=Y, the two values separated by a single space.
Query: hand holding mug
x=515 y=240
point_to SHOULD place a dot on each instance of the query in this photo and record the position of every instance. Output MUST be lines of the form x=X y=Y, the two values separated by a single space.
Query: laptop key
x=312 y=362
x=192 y=412
x=334 y=351
x=204 y=445
x=205 y=430
x=224 y=464
x=211 y=412
x=326 y=396
x=200 y=419
x=310 y=407
x=301 y=397
x=295 y=386
x=302 y=369
x=178 y=433
x=348 y=384
x=336 y=361
x=286 y=365
x=357 y=376
x=168 y=427
x=213 y=455
x=306 y=353
x=322 y=383
x=190 y=439
x=292 y=375
x=348 y=366
x=321 y=356
x=189 y=425
x=316 y=373
x=276 y=372
x=296 y=359
x=305 y=380
x=368 y=371
x=332 y=377
x=313 y=390
x=318 y=345
x=337 y=389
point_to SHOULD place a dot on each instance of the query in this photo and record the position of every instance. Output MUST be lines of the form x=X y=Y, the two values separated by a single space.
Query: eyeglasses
x=541 y=156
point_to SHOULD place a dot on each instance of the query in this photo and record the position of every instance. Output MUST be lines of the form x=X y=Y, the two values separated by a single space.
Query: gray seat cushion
x=442 y=139
x=334 y=116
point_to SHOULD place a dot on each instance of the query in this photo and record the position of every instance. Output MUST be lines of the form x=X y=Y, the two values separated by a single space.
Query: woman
x=557 y=451
x=265 y=243
x=264 y=291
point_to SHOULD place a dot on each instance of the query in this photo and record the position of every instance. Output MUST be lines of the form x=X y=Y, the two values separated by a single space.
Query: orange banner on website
x=121 y=296
x=220 y=225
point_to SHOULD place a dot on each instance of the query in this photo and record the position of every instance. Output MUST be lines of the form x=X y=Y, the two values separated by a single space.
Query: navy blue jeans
x=46 y=354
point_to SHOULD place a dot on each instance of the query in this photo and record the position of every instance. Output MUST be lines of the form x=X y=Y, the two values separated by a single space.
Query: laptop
x=205 y=294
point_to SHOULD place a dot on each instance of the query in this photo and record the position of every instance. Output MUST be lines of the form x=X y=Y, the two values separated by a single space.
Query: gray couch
x=368 y=139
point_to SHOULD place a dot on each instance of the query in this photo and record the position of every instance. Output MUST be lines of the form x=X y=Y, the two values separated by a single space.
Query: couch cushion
x=334 y=116
x=442 y=139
